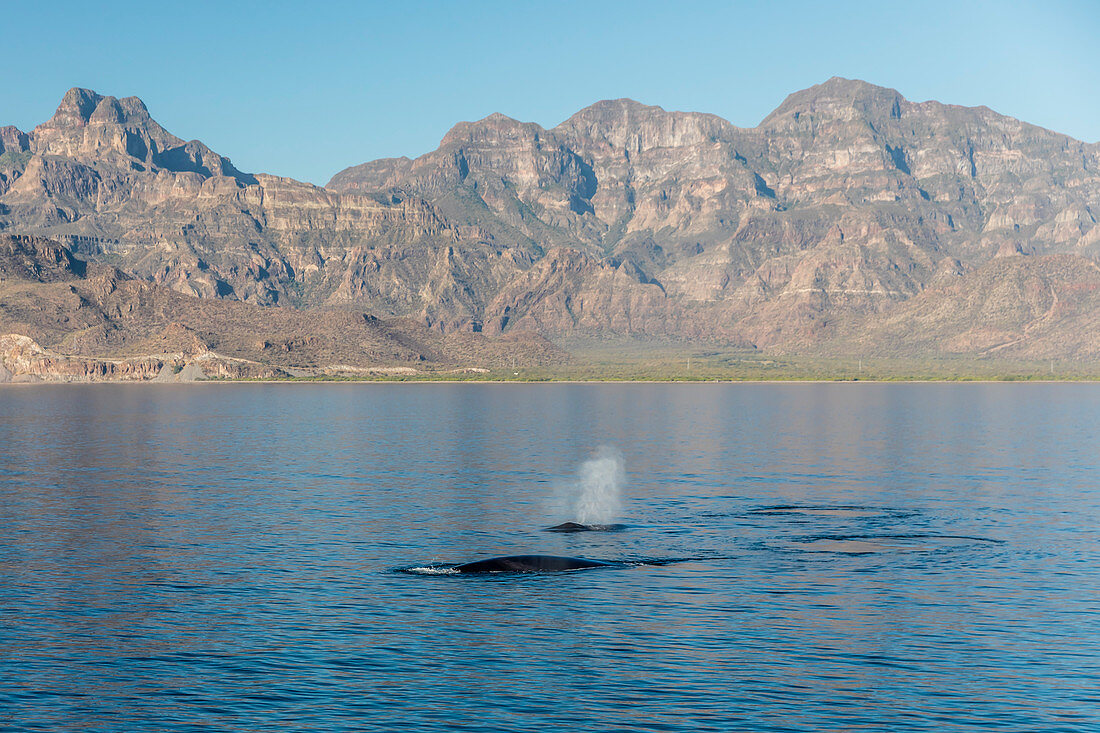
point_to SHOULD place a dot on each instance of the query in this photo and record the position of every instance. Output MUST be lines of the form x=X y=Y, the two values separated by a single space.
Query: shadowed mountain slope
x=96 y=311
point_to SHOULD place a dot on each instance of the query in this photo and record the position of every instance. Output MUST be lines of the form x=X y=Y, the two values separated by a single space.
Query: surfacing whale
x=530 y=564
x=578 y=527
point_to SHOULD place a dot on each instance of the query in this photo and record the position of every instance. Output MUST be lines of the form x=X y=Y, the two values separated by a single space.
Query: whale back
x=578 y=527
x=529 y=564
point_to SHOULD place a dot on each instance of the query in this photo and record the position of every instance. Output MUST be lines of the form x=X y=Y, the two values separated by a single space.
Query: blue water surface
x=853 y=557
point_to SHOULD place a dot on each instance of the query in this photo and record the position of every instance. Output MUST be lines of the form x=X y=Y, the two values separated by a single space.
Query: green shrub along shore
x=667 y=364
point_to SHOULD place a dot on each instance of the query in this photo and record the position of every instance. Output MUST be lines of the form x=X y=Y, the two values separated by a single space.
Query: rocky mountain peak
x=615 y=109
x=626 y=123
x=76 y=107
x=88 y=125
x=81 y=106
x=839 y=99
x=495 y=128
x=125 y=111
x=13 y=140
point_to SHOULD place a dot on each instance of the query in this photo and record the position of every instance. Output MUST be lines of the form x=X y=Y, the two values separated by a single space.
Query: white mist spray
x=598 y=490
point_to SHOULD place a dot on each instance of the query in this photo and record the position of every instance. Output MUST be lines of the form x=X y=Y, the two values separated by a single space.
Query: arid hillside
x=63 y=318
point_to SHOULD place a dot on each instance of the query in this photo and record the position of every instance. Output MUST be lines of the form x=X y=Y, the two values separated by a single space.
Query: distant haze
x=302 y=92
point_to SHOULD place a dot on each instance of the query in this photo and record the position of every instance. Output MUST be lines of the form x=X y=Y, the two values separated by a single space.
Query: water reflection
x=221 y=556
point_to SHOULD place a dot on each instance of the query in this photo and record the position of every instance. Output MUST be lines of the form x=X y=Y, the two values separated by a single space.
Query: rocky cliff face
x=845 y=204
x=24 y=360
x=1037 y=307
x=62 y=318
x=108 y=181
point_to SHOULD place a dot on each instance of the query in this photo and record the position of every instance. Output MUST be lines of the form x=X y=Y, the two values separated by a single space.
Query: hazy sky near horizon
x=306 y=89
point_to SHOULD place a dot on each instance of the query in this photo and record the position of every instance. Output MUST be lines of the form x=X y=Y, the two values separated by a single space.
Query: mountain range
x=849 y=220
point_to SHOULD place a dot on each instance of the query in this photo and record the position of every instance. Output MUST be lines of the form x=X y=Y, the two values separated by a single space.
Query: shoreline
x=522 y=382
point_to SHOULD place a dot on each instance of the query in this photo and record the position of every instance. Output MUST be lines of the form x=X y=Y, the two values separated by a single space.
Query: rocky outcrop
x=38 y=259
x=24 y=360
x=13 y=140
x=83 y=321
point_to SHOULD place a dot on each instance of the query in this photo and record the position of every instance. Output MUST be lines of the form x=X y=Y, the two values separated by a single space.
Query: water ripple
x=799 y=557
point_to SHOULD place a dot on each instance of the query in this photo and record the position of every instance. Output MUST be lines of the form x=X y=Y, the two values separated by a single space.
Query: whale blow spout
x=530 y=564
x=599 y=487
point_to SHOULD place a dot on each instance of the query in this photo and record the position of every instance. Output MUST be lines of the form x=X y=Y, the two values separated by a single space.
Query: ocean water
x=798 y=557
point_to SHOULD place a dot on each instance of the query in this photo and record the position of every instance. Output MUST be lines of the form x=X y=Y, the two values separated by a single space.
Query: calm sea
x=798 y=557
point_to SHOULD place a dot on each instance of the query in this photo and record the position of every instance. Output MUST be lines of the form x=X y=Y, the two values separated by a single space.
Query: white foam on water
x=433 y=570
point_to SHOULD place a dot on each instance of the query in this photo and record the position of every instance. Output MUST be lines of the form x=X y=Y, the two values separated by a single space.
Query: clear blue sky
x=305 y=89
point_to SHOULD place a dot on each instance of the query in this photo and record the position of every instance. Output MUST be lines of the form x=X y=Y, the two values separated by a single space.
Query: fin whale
x=529 y=564
x=578 y=527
